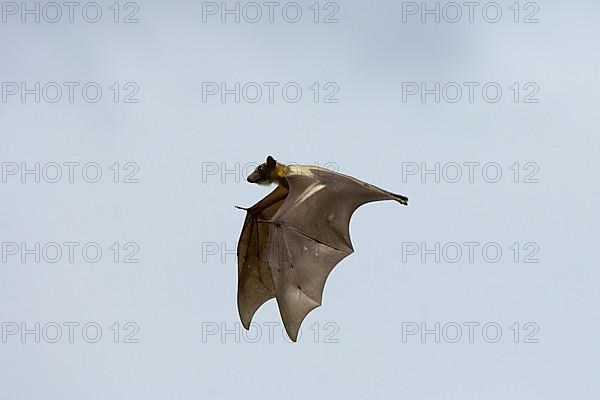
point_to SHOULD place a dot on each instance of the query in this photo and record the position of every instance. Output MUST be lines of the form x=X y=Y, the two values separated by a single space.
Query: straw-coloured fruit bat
x=294 y=237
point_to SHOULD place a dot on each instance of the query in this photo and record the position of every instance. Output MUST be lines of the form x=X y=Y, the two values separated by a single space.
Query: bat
x=293 y=238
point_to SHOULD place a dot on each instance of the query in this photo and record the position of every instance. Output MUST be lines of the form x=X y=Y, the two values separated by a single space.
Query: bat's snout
x=253 y=178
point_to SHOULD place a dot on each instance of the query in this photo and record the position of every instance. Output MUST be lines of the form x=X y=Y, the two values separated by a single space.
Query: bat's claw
x=400 y=199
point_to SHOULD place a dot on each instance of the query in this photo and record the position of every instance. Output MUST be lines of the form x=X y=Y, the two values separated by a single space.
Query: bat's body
x=295 y=236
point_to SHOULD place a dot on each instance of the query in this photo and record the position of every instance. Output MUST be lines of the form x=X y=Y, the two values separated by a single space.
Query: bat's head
x=264 y=174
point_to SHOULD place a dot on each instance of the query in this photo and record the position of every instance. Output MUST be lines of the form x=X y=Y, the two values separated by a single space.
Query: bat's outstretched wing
x=255 y=283
x=309 y=236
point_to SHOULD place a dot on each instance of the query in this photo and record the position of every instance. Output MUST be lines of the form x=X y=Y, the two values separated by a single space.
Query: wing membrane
x=255 y=282
x=293 y=238
x=310 y=236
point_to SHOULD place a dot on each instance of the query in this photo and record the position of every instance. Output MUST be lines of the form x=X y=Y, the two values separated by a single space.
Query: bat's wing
x=255 y=283
x=310 y=236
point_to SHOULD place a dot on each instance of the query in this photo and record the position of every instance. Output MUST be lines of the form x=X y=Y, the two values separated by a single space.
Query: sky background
x=190 y=158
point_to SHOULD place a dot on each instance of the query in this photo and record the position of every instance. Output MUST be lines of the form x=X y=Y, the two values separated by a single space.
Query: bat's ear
x=271 y=162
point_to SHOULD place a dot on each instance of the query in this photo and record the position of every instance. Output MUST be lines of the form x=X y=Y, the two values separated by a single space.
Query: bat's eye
x=261 y=168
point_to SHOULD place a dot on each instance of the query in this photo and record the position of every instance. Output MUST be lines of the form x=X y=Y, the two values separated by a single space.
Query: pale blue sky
x=171 y=293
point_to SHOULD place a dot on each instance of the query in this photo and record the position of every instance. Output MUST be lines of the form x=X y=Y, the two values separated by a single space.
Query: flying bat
x=294 y=237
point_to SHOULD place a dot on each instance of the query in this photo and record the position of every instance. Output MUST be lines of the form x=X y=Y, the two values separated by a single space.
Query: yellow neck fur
x=278 y=173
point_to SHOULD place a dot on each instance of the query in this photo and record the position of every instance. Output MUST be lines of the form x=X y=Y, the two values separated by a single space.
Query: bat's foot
x=400 y=198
